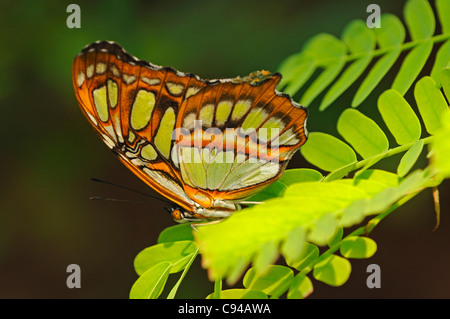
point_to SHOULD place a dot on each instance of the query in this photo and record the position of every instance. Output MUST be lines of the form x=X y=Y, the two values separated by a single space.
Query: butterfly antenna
x=117 y=200
x=124 y=187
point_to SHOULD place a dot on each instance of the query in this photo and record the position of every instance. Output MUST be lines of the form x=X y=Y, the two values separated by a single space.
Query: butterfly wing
x=132 y=105
x=139 y=108
x=248 y=131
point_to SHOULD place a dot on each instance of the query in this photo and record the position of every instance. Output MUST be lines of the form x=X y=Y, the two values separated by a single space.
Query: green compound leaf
x=301 y=287
x=177 y=254
x=271 y=221
x=419 y=19
x=274 y=282
x=151 y=283
x=409 y=159
x=399 y=117
x=411 y=67
x=431 y=103
x=327 y=152
x=176 y=233
x=358 y=247
x=239 y=294
x=333 y=270
x=363 y=134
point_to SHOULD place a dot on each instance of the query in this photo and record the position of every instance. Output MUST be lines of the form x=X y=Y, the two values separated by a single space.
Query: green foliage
x=363 y=134
x=358 y=247
x=307 y=209
x=359 y=46
x=327 y=152
x=177 y=253
x=332 y=270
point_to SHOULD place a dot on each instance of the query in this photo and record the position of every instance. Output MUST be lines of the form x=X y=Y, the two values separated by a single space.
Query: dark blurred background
x=49 y=151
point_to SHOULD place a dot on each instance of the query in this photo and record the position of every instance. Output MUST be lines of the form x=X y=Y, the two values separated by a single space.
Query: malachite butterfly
x=204 y=144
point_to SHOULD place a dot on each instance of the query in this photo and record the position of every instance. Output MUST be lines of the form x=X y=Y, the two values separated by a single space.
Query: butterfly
x=204 y=144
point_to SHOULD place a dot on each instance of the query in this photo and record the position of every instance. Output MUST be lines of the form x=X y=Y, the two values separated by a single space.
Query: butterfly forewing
x=121 y=96
x=198 y=142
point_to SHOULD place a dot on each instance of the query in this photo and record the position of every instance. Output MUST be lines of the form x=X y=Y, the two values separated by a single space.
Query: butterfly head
x=179 y=214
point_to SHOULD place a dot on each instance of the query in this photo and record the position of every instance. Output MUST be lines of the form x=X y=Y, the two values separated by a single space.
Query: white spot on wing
x=192 y=91
x=129 y=78
x=100 y=68
x=150 y=81
x=80 y=79
x=175 y=88
x=108 y=141
x=92 y=118
x=115 y=71
x=111 y=132
x=90 y=71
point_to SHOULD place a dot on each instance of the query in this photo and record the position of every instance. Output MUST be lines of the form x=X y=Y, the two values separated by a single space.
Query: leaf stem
x=217 y=287
x=366 y=163
x=381 y=51
x=177 y=285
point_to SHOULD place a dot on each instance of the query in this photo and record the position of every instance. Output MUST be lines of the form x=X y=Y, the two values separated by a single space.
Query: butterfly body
x=203 y=144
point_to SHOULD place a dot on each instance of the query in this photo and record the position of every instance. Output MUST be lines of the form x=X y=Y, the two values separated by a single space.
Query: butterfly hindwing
x=263 y=127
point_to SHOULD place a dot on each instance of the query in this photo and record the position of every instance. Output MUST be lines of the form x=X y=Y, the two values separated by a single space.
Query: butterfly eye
x=177 y=214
